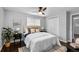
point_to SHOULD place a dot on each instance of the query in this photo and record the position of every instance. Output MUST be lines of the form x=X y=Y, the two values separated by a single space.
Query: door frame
x=71 y=26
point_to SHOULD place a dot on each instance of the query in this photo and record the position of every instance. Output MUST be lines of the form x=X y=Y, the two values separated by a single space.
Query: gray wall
x=1 y=24
x=43 y=22
x=11 y=16
x=68 y=26
x=75 y=24
x=62 y=24
x=52 y=25
x=71 y=24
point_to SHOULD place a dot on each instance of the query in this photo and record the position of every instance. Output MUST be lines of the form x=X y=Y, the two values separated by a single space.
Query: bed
x=40 y=41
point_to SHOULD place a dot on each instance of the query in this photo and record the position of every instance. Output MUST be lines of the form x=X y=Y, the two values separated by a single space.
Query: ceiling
x=22 y=9
x=34 y=10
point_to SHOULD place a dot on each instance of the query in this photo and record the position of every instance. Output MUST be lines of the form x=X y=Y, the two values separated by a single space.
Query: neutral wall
x=76 y=26
x=43 y=22
x=68 y=26
x=71 y=23
x=1 y=24
x=52 y=25
x=11 y=16
x=62 y=24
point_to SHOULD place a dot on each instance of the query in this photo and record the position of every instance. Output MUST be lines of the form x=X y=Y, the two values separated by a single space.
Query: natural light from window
x=33 y=22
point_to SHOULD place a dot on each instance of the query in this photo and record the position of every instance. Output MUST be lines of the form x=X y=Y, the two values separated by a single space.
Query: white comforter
x=40 y=41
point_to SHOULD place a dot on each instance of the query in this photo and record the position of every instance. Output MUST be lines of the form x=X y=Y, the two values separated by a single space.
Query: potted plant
x=7 y=34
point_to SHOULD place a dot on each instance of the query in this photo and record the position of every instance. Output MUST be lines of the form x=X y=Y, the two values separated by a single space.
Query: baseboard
x=69 y=41
x=66 y=41
x=63 y=41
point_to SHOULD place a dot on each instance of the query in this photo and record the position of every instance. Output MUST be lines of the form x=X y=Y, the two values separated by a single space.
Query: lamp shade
x=17 y=29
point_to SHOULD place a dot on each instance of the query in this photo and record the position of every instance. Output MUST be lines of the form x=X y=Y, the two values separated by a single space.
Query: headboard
x=32 y=29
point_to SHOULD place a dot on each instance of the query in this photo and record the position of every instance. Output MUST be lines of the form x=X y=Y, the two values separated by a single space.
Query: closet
x=52 y=25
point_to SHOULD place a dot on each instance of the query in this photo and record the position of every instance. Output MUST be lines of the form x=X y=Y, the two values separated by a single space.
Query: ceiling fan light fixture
x=40 y=13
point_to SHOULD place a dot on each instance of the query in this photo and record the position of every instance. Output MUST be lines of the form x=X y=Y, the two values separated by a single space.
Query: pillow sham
x=37 y=30
x=26 y=30
x=32 y=30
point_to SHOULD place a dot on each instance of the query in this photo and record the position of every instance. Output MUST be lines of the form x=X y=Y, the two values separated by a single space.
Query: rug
x=55 y=49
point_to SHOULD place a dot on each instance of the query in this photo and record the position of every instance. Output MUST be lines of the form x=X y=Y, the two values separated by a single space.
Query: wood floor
x=13 y=48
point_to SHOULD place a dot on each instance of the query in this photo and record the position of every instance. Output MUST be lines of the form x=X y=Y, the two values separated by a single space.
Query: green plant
x=7 y=34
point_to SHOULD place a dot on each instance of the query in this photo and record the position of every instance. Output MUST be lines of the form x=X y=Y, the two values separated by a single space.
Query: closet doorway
x=53 y=25
x=75 y=26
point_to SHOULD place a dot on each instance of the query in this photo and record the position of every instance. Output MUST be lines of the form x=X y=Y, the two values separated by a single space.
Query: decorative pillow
x=77 y=41
x=26 y=30
x=37 y=30
x=32 y=30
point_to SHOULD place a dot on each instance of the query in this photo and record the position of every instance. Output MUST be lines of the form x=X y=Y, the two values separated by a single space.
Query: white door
x=53 y=25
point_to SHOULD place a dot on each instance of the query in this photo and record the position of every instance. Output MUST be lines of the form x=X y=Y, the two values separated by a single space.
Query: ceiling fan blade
x=44 y=9
x=40 y=8
x=43 y=13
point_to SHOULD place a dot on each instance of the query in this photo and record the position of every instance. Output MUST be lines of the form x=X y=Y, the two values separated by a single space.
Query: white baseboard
x=69 y=41
x=66 y=41
x=63 y=41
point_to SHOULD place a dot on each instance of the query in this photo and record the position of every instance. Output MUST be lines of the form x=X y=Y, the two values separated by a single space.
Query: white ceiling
x=21 y=9
x=34 y=10
x=54 y=10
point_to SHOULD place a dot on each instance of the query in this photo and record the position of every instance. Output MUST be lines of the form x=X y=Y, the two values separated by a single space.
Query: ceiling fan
x=41 y=10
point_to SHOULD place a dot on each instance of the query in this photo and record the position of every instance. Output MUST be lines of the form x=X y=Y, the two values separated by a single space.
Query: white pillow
x=37 y=30
x=26 y=30
x=77 y=41
x=32 y=30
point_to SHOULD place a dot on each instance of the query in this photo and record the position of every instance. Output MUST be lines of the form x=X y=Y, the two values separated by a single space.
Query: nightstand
x=43 y=31
x=17 y=36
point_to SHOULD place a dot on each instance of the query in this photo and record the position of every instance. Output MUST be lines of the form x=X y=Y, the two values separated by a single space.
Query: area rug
x=55 y=49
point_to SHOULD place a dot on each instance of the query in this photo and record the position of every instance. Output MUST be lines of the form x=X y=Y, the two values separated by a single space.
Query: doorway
x=53 y=25
x=75 y=26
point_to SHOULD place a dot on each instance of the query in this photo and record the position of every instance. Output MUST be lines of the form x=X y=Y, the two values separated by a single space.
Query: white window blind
x=33 y=22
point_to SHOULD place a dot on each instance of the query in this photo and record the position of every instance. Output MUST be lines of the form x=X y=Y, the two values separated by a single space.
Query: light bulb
x=40 y=13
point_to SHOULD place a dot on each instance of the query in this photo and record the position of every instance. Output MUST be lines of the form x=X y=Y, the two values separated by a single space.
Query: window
x=33 y=22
